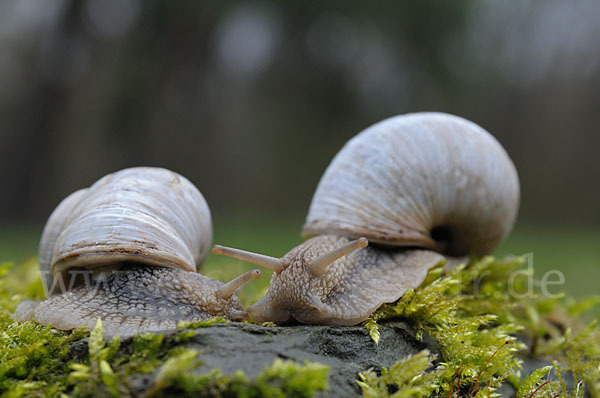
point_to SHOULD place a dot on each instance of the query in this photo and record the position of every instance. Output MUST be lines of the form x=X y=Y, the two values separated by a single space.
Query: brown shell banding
x=401 y=178
x=332 y=228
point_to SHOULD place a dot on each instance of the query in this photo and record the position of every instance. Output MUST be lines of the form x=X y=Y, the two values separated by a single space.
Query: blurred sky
x=251 y=100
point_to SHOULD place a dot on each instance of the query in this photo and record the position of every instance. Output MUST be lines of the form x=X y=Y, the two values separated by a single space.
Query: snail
x=421 y=188
x=126 y=250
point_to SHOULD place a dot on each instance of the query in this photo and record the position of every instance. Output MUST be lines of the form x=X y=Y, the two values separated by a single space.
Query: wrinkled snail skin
x=126 y=250
x=332 y=280
x=422 y=188
x=333 y=297
x=139 y=298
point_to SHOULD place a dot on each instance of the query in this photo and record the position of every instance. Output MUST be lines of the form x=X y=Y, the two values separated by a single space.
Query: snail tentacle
x=228 y=289
x=319 y=265
x=272 y=263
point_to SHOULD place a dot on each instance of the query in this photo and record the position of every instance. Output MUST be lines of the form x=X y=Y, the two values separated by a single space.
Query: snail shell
x=146 y=215
x=415 y=185
x=428 y=180
x=54 y=226
x=126 y=250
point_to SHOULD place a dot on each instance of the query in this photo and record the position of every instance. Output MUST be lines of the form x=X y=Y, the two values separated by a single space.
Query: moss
x=36 y=360
x=281 y=379
x=478 y=325
x=409 y=377
x=110 y=373
x=533 y=384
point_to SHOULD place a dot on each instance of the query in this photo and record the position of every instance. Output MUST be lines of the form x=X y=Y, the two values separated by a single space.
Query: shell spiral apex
x=429 y=180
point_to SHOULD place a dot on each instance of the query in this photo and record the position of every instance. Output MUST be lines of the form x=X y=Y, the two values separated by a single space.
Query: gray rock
x=347 y=350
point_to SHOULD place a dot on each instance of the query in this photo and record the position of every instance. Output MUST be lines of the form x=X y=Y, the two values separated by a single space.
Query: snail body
x=420 y=188
x=328 y=280
x=127 y=250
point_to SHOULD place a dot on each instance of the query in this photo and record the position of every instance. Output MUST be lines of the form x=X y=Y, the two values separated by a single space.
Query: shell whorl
x=54 y=226
x=145 y=215
x=429 y=180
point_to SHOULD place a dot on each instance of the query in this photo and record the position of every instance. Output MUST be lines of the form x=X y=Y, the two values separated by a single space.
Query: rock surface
x=347 y=350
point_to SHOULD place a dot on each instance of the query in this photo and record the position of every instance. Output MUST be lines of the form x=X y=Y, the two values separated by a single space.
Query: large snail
x=418 y=186
x=126 y=250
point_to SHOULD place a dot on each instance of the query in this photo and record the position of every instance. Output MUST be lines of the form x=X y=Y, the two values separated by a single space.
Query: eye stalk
x=320 y=264
x=254 y=258
x=228 y=289
x=317 y=266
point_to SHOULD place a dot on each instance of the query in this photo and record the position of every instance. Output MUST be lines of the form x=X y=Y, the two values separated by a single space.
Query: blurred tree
x=251 y=100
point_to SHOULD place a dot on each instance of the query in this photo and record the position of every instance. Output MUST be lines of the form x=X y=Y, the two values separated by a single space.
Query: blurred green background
x=251 y=100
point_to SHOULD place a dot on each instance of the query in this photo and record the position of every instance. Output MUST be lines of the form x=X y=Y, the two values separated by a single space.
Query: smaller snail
x=126 y=250
x=422 y=188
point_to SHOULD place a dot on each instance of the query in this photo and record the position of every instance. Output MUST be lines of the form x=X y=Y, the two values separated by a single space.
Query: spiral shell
x=54 y=226
x=428 y=180
x=144 y=215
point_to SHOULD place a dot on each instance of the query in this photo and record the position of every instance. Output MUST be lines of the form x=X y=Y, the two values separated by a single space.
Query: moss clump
x=109 y=372
x=36 y=360
x=33 y=358
x=281 y=379
x=475 y=313
x=479 y=326
x=409 y=377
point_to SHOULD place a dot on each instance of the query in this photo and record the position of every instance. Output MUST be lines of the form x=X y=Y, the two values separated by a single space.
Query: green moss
x=470 y=313
x=409 y=377
x=281 y=379
x=475 y=313
x=36 y=361
x=174 y=372
x=533 y=384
